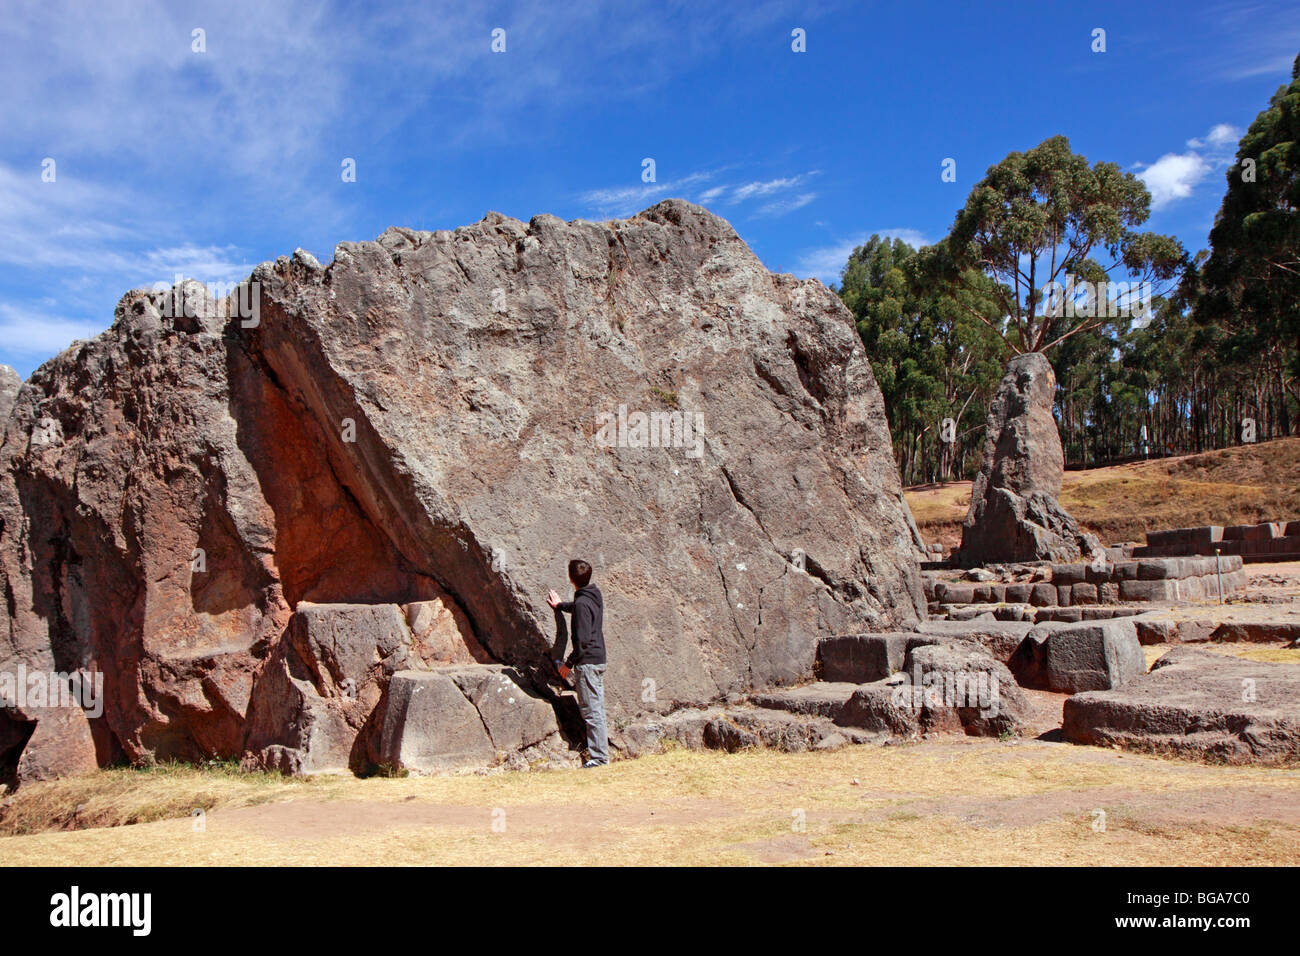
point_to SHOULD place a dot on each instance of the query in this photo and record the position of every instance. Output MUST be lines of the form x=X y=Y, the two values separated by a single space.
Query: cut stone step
x=743 y=727
x=999 y=638
x=737 y=728
x=821 y=699
x=862 y=658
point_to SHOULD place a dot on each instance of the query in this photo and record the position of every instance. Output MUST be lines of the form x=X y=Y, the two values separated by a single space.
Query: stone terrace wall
x=1148 y=579
x=1270 y=541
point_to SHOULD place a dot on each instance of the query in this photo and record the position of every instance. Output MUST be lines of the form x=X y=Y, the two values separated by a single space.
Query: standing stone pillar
x=1014 y=513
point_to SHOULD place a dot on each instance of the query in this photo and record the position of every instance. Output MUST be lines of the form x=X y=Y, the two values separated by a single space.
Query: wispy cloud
x=782 y=206
x=779 y=193
x=622 y=201
x=30 y=332
x=760 y=189
x=74 y=239
x=83 y=228
x=165 y=152
x=626 y=200
x=1255 y=39
x=736 y=194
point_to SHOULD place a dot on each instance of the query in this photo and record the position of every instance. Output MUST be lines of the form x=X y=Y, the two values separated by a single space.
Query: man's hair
x=579 y=572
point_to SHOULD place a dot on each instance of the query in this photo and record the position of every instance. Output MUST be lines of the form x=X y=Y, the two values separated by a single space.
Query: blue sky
x=169 y=161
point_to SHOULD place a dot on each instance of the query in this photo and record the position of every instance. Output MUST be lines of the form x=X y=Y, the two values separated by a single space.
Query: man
x=588 y=657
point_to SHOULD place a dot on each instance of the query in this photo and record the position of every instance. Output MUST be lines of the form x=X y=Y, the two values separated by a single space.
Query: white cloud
x=1252 y=40
x=221 y=265
x=1220 y=136
x=35 y=334
x=83 y=239
x=285 y=91
x=827 y=262
x=1174 y=176
x=619 y=201
x=77 y=227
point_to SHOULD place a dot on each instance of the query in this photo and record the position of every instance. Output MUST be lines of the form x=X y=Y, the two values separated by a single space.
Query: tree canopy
x=934 y=361
x=1044 y=217
x=1250 y=284
x=1210 y=356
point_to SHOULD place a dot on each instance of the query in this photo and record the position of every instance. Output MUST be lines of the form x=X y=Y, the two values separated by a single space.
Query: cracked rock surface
x=444 y=417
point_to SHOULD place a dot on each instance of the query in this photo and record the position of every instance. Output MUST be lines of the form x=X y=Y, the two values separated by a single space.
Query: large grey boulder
x=1014 y=513
x=1199 y=704
x=1069 y=657
x=508 y=441
x=452 y=416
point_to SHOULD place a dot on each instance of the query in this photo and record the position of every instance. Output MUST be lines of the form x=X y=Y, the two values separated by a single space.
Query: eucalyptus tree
x=1047 y=228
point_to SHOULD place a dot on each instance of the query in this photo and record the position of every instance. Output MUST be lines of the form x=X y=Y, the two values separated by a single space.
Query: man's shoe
x=593 y=763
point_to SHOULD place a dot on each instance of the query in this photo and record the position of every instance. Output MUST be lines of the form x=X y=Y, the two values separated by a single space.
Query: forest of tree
x=1214 y=361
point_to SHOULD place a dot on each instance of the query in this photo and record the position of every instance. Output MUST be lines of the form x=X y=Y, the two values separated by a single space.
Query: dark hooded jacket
x=588 y=610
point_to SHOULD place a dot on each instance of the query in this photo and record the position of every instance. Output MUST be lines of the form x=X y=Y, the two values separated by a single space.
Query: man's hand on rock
x=552 y=598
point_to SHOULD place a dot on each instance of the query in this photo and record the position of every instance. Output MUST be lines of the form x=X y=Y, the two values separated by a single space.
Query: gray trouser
x=591 y=704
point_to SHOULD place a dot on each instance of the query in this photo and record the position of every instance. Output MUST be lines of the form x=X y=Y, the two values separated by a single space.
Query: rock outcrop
x=444 y=417
x=10 y=382
x=454 y=718
x=1197 y=704
x=1014 y=513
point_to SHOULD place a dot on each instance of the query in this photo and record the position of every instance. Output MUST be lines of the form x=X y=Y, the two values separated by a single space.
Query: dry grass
x=956 y=801
x=124 y=796
x=1262 y=653
x=1243 y=485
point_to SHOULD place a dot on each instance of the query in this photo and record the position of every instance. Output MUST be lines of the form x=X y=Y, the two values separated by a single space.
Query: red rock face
x=426 y=420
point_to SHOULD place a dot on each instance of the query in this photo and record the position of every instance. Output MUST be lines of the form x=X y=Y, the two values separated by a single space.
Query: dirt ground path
x=950 y=802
